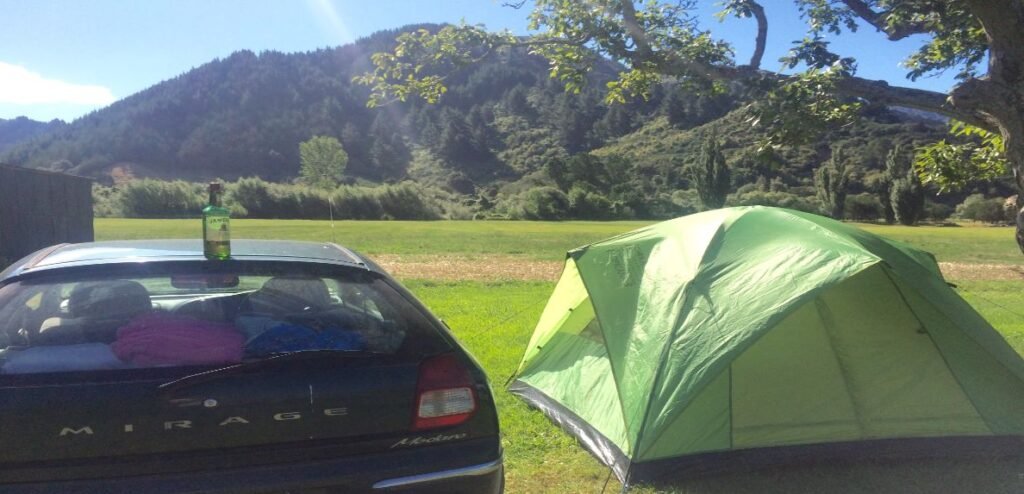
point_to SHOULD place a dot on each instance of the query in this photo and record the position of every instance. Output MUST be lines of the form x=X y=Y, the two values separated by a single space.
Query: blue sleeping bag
x=284 y=338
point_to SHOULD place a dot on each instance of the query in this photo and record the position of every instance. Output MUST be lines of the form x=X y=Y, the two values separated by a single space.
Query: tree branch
x=762 y=34
x=541 y=41
x=920 y=99
x=643 y=47
x=967 y=110
x=881 y=22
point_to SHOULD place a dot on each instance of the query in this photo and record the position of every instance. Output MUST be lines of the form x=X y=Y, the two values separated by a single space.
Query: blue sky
x=64 y=58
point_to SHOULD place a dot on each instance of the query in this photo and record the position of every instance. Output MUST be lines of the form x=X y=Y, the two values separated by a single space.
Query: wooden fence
x=39 y=208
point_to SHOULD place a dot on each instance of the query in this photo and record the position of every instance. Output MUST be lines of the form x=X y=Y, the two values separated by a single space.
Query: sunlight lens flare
x=327 y=15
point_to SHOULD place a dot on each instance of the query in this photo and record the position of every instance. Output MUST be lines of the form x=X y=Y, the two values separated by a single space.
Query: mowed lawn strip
x=969 y=243
x=540 y=240
x=528 y=239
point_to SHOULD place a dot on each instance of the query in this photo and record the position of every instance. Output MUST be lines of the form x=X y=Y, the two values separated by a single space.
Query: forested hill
x=501 y=122
x=22 y=128
x=246 y=114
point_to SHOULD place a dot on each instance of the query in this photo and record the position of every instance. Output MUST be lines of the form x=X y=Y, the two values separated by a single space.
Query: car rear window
x=118 y=318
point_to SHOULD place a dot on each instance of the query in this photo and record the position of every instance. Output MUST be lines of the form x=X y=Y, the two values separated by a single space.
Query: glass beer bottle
x=216 y=226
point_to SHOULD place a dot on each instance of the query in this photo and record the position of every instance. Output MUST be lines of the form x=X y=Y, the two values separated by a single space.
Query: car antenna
x=330 y=206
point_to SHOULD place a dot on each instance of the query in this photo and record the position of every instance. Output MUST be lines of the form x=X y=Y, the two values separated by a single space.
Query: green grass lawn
x=968 y=243
x=999 y=303
x=534 y=240
x=529 y=239
x=495 y=320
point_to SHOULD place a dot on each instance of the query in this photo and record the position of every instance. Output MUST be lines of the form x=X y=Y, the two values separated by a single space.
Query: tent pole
x=606 y=479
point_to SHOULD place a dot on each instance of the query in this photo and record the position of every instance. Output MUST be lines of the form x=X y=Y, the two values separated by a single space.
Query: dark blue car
x=141 y=366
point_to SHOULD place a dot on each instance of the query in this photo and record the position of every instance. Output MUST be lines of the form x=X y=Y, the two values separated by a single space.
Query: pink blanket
x=155 y=339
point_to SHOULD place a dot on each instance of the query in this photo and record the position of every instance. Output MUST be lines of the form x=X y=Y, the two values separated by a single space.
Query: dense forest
x=22 y=128
x=504 y=141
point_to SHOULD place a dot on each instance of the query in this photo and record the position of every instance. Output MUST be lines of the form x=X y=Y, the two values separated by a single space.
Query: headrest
x=291 y=294
x=108 y=299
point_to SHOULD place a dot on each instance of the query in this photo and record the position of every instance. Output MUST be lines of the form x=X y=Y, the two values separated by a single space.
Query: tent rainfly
x=753 y=335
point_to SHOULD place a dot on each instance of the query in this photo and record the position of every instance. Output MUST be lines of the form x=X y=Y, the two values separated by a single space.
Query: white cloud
x=21 y=86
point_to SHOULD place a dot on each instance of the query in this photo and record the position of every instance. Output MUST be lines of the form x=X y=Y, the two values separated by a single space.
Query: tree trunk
x=1001 y=95
x=1014 y=147
x=1008 y=110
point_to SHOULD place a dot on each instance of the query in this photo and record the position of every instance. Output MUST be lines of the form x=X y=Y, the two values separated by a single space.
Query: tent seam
x=939 y=351
x=970 y=336
x=833 y=235
x=665 y=348
x=677 y=321
x=611 y=365
x=827 y=326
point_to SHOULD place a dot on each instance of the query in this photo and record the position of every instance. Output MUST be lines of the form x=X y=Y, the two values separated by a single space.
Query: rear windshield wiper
x=243 y=367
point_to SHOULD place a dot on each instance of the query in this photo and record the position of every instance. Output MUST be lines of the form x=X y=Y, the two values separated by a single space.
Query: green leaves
x=958 y=40
x=421 y=60
x=654 y=40
x=815 y=54
x=975 y=155
x=323 y=161
x=800 y=110
x=630 y=84
x=826 y=15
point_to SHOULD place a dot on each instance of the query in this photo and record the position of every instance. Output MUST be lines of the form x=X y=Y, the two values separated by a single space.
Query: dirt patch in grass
x=474 y=268
x=976 y=272
x=513 y=268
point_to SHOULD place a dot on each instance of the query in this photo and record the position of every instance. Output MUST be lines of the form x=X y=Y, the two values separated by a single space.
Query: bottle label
x=218 y=229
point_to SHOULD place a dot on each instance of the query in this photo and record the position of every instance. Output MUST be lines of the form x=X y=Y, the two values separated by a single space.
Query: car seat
x=97 y=310
x=288 y=295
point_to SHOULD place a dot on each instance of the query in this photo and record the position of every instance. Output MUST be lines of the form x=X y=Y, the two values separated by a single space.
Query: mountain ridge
x=17 y=129
x=500 y=127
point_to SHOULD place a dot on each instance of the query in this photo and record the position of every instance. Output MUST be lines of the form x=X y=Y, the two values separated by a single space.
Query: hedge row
x=256 y=198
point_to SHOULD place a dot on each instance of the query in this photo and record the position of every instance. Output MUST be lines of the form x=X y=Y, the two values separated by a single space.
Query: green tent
x=752 y=333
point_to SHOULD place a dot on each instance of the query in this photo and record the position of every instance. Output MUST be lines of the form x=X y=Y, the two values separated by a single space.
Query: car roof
x=124 y=251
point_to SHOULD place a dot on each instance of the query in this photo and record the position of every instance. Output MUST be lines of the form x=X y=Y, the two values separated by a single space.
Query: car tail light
x=444 y=393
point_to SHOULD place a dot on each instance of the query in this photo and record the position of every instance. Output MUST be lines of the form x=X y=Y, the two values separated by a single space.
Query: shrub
x=686 y=202
x=356 y=203
x=863 y=207
x=588 y=205
x=710 y=175
x=906 y=195
x=406 y=201
x=544 y=203
x=936 y=211
x=105 y=201
x=253 y=195
x=255 y=198
x=831 y=180
x=149 y=198
x=777 y=199
x=977 y=208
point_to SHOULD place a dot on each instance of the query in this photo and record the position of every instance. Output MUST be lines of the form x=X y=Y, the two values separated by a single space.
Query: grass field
x=494 y=320
x=530 y=239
